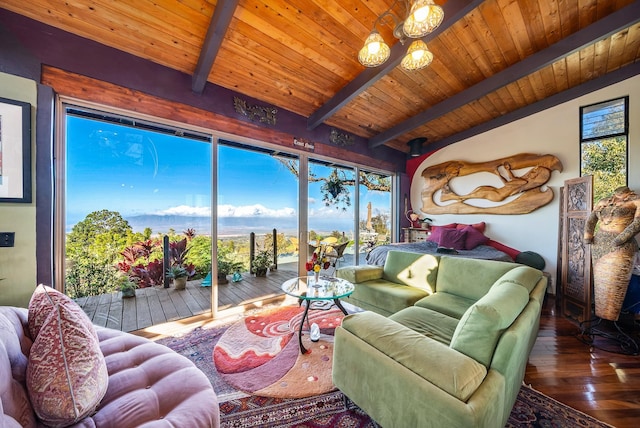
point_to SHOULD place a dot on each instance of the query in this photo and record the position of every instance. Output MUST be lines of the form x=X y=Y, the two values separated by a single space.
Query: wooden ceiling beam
x=599 y=30
x=215 y=35
x=601 y=82
x=454 y=10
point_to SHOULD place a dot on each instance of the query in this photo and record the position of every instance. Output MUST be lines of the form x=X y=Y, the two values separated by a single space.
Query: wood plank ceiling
x=493 y=59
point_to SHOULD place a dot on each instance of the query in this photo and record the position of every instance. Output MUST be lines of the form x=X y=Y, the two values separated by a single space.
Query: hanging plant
x=335 y=191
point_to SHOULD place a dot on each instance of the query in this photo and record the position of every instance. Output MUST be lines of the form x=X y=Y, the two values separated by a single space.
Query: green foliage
x=262 y=260
x=606 y=160
x=90 y=277
x=200 y=254
x=92 y=247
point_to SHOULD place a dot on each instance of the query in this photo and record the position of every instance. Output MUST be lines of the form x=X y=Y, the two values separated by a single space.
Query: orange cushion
x=66 y=374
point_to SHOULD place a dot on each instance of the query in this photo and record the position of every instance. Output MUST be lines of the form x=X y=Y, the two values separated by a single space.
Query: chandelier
x=422 y=17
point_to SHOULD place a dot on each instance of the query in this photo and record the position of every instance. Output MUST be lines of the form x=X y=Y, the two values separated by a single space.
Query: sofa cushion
x=357 y=274
x=525 y=276
x=14 y=348
x=386 y=297
x=42 y=302
x=480 y=327
x=446 y=303
x=67 y=373
x=449 y=370
x=416 y=270
x=469 y=278
x=425 y=321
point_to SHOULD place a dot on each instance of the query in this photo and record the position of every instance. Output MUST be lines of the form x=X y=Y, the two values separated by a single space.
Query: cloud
x=187 y=211
x=255 y=210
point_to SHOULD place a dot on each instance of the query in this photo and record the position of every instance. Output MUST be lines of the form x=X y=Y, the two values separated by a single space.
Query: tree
x=92 y=247
x=606 y=160
x=335 y=190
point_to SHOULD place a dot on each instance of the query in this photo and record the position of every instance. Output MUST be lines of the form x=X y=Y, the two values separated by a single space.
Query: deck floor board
x=156 y=305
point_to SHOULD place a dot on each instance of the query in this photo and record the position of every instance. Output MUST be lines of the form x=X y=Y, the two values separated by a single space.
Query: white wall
x=18 y=263
x=554 y=131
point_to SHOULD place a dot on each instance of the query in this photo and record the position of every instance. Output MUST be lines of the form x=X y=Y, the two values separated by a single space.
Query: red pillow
x=474 y=238
x=436 y=232
x=453 y=238
x=480 y=227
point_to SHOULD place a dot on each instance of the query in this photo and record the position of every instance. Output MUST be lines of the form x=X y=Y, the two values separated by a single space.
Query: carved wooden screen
x=576 y=282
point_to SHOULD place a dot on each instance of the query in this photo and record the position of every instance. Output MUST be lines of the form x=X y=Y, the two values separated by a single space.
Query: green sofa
x=455 y=357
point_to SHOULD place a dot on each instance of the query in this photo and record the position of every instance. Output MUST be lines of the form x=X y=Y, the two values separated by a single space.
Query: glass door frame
x=59 y=200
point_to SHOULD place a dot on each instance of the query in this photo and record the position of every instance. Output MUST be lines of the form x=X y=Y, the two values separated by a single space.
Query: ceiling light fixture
x=422 y=17
x=415 y=146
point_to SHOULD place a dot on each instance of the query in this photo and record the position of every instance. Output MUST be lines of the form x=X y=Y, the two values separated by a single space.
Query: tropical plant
x=226 y=266
x=335 y=191
x=262 y=261
x=177 y=271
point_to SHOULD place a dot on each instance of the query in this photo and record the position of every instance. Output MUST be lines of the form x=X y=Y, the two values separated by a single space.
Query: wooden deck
x=157 y=305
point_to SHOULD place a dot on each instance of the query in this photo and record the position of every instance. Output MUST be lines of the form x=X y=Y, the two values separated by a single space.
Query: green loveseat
x=454 y=358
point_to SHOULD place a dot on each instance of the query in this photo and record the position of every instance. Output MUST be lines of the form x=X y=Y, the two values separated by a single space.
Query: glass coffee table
x=306 y=288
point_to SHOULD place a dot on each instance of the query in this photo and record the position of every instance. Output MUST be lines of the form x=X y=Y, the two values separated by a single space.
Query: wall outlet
x=7 y=239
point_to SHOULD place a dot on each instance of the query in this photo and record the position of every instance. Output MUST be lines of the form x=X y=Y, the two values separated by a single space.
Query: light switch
x=7 y=239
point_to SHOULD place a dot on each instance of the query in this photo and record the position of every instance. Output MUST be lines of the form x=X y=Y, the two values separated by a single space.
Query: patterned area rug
x=329 y=408
x=260 y=355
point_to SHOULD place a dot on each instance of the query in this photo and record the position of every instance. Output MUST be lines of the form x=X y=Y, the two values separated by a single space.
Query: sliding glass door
x=138 y=199
x=136 y=205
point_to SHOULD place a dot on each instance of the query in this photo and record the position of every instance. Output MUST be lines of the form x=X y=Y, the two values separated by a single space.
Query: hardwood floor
x=605 y=385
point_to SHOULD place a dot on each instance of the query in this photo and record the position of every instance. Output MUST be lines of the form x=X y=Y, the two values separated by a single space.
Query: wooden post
x=275 y=249
x=252 y=248
x=166 y=263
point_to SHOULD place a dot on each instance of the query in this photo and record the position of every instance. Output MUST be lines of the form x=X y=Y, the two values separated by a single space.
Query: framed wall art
x=15 y=151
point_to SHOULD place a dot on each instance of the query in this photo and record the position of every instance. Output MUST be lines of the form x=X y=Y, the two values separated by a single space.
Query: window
x=604 y=131
x=128 y=185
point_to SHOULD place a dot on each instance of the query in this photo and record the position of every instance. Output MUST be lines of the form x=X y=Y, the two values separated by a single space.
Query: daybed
x=73 y=374
x=460 y=240
x=454 y=359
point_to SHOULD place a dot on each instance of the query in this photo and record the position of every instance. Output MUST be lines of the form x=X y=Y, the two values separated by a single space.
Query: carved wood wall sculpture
x=517 y=194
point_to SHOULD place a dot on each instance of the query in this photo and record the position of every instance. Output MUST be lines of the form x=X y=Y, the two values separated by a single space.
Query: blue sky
x=138 y=172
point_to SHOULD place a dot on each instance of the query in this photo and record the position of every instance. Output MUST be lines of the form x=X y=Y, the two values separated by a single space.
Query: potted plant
x=179 y=275
x=261 y=263
x=127 y=286
x=226 y=267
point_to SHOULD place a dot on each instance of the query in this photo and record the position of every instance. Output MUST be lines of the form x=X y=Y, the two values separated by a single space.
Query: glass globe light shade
x=424 y=17
x=418 y=56
x=375 y=51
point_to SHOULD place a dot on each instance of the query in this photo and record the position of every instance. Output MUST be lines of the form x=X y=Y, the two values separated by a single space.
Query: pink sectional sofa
x=145 y=384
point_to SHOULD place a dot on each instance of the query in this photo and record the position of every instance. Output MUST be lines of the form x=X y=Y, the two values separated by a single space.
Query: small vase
x=180 y=283
x=316 y=276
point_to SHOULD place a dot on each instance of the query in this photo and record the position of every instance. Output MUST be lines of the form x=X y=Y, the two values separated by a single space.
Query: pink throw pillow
x=43 y=300
x=474 y=238
x=452 y=238
x=66 y=374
